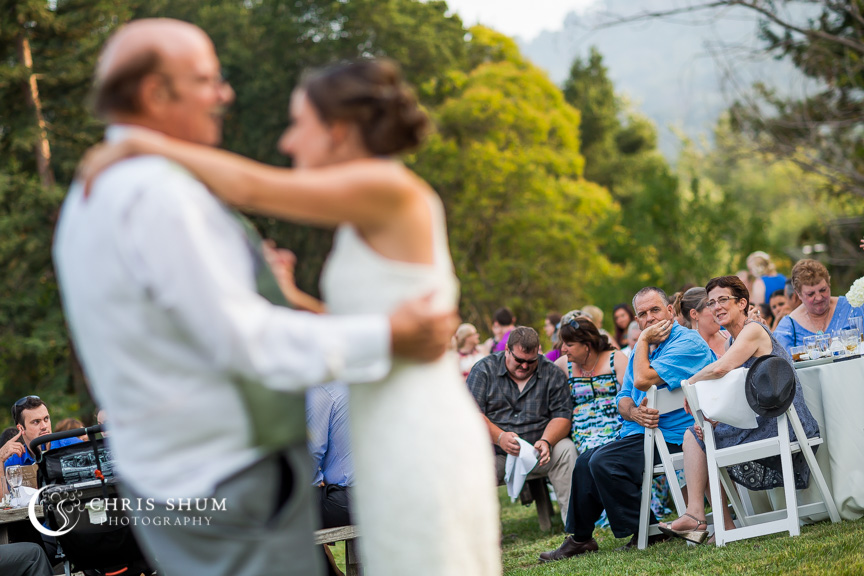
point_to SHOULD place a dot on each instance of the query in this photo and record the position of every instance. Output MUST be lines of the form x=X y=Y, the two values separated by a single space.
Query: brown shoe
x=633 y=544
x=568 y=549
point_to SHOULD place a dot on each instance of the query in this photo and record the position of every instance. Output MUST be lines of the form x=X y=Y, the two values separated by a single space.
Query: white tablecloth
x=835 y=395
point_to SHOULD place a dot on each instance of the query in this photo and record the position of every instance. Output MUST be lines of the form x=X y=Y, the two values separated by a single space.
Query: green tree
x=47 y=52
x=589 y=89
x=673 y=227
x=778 y=205
x=825 y=41
x=821 y=132
x=522 y=220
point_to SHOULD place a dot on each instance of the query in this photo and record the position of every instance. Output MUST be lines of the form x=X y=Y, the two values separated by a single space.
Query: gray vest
x=276 y=418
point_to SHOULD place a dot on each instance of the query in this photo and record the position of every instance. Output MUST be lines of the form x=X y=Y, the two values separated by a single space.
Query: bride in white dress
x=425 y=497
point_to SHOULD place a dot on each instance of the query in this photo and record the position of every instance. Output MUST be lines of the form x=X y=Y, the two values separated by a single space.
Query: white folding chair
x=752 y=524
x=665 y=401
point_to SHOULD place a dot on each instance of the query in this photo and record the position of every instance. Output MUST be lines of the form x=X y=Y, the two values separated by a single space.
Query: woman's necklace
x=824 y=324
x=589 y=373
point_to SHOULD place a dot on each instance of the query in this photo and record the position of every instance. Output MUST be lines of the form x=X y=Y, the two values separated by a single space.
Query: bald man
x=171 y=308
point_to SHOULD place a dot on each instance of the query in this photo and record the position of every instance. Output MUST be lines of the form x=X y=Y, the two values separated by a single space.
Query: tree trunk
x=31 y=92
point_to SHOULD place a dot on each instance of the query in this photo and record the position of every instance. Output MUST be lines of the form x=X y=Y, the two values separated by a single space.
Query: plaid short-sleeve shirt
x=526 y=413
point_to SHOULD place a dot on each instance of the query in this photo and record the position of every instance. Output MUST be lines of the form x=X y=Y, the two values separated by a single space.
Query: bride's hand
x=103 y=155
x=282 y=264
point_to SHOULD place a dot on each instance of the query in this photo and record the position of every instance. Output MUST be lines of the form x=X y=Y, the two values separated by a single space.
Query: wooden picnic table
x=12 y=515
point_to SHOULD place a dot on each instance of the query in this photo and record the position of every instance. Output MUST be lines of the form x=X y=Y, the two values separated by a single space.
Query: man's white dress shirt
x=158 y=286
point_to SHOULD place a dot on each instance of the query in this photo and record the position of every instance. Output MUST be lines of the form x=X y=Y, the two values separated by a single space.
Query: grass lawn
x=823 y=548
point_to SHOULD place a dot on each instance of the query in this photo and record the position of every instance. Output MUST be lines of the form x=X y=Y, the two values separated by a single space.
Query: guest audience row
x=791 y=308
x=598 y=416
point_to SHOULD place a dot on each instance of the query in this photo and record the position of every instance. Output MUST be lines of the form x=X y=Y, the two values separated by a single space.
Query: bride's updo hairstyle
x=371 y=94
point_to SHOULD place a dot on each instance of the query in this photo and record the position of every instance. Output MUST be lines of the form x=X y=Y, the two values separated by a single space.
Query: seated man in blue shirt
x=610 y=476
x=31 y=417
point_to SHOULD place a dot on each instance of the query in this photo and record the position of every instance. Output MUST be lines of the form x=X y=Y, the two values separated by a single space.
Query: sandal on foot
x=695 y=535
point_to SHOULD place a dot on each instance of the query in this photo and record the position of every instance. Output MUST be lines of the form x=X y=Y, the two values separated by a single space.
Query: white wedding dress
x=425 y=498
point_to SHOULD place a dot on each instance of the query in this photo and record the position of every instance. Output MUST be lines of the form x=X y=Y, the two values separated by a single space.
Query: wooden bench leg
x=543 y=502
x=352 y=560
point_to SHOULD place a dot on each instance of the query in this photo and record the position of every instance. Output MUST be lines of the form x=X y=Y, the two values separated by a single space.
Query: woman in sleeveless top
x=594 y=375
x=425 y=496
x=728 y=298
x=766 y=280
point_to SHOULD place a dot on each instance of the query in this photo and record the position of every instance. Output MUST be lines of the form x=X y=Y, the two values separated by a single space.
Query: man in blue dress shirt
x=330 y=447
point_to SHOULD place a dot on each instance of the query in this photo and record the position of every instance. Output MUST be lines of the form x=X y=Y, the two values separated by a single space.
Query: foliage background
x=556 y=196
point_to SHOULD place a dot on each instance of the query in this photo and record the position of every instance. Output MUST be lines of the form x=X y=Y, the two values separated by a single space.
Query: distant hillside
x=681 y=72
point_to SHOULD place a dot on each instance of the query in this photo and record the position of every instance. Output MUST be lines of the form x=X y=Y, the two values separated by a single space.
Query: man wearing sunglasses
x=31 y=418
x=524 y=395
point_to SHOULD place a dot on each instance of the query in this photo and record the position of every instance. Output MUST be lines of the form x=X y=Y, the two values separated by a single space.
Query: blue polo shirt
x=680 y=356
x=27 y=459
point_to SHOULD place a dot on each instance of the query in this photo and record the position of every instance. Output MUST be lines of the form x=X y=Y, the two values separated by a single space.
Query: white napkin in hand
x=517 y=468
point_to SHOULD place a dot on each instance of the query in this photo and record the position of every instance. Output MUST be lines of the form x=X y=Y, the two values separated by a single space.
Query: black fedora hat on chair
x=770 y=386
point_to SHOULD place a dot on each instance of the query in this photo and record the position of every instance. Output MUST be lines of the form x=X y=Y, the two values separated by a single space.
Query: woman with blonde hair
x=466 y=342
x=595 y=314
x=765 y=279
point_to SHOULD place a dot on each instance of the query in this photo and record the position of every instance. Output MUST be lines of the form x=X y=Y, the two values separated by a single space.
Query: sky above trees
x=517 y=18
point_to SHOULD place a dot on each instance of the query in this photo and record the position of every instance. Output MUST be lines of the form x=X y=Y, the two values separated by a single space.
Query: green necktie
x=277 y=419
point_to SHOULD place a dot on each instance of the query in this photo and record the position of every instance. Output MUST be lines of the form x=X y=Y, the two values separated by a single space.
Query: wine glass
x=823 y=344
x=837 y=346
x=857 y=323
x=15 y=476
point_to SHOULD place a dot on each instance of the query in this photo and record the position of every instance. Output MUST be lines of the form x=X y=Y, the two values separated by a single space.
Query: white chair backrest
x=723 y=399
x=667 y=400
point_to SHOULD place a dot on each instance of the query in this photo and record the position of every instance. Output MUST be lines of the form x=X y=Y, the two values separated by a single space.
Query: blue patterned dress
x=595 y=419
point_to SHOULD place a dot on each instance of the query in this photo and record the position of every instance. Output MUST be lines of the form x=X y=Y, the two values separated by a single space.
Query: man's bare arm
x=642 y=415
x=507 y=441
x=556 y=430
x=643 y=375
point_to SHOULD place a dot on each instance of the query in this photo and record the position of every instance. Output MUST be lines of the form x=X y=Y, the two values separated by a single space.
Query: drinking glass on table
x=850 y=340
x=823 y=344
x=837 y=347
x=14 y=476
x=812 y=351
x=799 y=353
x=857 y=322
